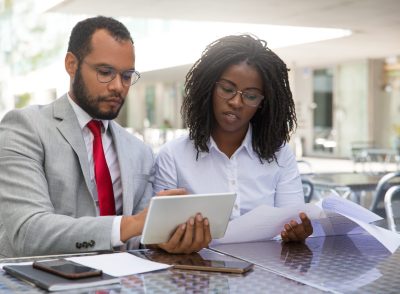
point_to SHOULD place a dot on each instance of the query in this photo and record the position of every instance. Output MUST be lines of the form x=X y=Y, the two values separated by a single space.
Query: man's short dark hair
x=81 y=35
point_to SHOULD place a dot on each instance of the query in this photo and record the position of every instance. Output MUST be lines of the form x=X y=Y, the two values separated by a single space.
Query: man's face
x=103 y=100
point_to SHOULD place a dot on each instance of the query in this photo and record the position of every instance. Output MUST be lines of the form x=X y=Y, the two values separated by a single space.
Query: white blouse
x=255 y=183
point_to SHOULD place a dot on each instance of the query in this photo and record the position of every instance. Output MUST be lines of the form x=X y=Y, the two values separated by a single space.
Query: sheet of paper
x=119 y=264
x=264 y=223
x=352 y=218
x=334 y=224
x=348 y=208
x=389 y=239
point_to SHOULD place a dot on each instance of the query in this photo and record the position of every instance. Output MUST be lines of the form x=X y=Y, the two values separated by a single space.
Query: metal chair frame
x=381 y=188
x=393 y=191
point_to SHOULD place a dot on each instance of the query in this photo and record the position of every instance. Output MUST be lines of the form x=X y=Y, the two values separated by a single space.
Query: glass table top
x=354 y=263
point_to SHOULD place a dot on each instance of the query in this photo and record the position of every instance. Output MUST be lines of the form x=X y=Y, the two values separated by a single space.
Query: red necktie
x=102 y=174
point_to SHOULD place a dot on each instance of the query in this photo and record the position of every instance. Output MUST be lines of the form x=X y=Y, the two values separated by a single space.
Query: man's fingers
x=171 y=192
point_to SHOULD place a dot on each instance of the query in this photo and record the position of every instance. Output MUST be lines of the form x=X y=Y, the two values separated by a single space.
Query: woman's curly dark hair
x=273 y=122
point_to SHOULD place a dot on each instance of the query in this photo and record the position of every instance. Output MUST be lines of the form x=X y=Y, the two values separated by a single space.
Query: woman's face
x=233 y=115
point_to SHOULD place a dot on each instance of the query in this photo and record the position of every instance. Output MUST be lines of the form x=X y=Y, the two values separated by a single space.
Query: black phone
x=205 y=260
x=67 y=269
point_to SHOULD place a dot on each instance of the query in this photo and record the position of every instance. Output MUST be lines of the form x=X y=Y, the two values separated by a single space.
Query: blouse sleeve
x=165 y=170
x=289 y=190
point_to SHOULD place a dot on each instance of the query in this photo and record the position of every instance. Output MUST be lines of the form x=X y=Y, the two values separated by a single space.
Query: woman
x=240 y=113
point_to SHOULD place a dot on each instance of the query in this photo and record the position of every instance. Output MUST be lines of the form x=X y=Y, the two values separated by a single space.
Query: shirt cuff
x=116 y=232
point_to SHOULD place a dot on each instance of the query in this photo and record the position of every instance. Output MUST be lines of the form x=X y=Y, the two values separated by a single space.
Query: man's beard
x=89 y=103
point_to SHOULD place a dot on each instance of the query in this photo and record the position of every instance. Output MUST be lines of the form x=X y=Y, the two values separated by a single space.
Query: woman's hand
x=297 y=232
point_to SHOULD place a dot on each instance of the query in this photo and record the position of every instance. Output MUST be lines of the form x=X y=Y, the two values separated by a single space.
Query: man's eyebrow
x=110 y=66
x=103 y=65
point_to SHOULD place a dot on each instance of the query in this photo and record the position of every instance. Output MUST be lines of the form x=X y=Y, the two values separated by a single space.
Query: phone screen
x=206 y=260
x=67 y=269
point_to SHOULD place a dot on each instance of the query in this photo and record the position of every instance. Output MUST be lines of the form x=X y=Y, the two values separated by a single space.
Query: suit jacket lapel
x=125 y=168
x=68 y=127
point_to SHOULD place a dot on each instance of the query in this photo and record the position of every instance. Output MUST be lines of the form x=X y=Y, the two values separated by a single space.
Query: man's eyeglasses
x=249 y=97
x=106 y=74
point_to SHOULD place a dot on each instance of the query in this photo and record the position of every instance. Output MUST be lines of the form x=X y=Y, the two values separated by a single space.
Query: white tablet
x=167 y=212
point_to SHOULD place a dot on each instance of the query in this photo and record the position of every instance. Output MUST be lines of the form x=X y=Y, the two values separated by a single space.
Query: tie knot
x=95 y=127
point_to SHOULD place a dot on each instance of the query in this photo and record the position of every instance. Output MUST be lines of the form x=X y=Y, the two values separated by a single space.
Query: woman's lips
x=231 y=117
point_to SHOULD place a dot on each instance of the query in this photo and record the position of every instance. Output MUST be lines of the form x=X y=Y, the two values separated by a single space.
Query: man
x=66 y=169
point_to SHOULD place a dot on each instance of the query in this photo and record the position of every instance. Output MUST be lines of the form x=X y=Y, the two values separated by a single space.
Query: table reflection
x=296 y=256
x=334 y=263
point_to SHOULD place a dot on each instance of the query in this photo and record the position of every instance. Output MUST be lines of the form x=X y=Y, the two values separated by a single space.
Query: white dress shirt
x=112 y=162
x=255 y=182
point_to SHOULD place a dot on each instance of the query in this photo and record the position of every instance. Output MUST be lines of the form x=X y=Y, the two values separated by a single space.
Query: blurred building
x=346 y=88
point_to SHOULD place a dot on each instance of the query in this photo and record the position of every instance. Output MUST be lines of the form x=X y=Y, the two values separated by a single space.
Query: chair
x=308 y=189
x=377 y=205
x=393 y=191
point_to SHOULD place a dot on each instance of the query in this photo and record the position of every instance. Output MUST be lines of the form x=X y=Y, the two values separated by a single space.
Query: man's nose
x=116 y=84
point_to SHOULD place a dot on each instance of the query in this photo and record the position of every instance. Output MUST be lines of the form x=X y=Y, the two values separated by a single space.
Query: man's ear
x=71 y=64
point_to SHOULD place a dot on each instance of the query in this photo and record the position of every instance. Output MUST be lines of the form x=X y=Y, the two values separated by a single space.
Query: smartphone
x=237 y=267
x=205 y=260
x=67 y=269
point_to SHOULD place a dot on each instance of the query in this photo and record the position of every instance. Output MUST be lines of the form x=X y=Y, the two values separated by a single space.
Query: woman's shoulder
x=284 y=152
x=177 y=145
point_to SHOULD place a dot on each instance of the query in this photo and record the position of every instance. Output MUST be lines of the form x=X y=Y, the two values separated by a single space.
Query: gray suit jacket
x=46 y=206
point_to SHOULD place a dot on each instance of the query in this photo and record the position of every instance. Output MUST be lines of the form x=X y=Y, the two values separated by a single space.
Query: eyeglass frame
x=236 y=91
x=114 y=73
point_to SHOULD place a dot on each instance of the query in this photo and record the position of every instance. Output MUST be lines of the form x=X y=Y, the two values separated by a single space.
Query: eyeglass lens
x=249 y=97
x=106 y=74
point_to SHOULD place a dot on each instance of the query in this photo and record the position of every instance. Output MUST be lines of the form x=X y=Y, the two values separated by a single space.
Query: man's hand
x=297 y=232
x=190 y=237
x=178 y=191
x=132 y=225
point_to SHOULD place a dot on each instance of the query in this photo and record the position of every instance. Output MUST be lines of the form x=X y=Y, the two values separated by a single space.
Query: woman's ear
x=71 y=64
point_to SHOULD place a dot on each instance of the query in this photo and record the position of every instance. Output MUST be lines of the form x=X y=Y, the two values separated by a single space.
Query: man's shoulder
x=32 y=113
x=34 y=110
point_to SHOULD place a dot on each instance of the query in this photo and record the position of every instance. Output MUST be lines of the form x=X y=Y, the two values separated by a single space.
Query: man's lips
x=113 y=100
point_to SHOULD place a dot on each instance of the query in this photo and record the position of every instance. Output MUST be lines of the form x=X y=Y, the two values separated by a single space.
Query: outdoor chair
x=387 y=181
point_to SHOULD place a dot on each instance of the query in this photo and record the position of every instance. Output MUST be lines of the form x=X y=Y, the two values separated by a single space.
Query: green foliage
x=22 y=100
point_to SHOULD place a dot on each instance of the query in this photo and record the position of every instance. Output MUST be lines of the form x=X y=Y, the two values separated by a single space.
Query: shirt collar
x=82 y=116
x=247 y=144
